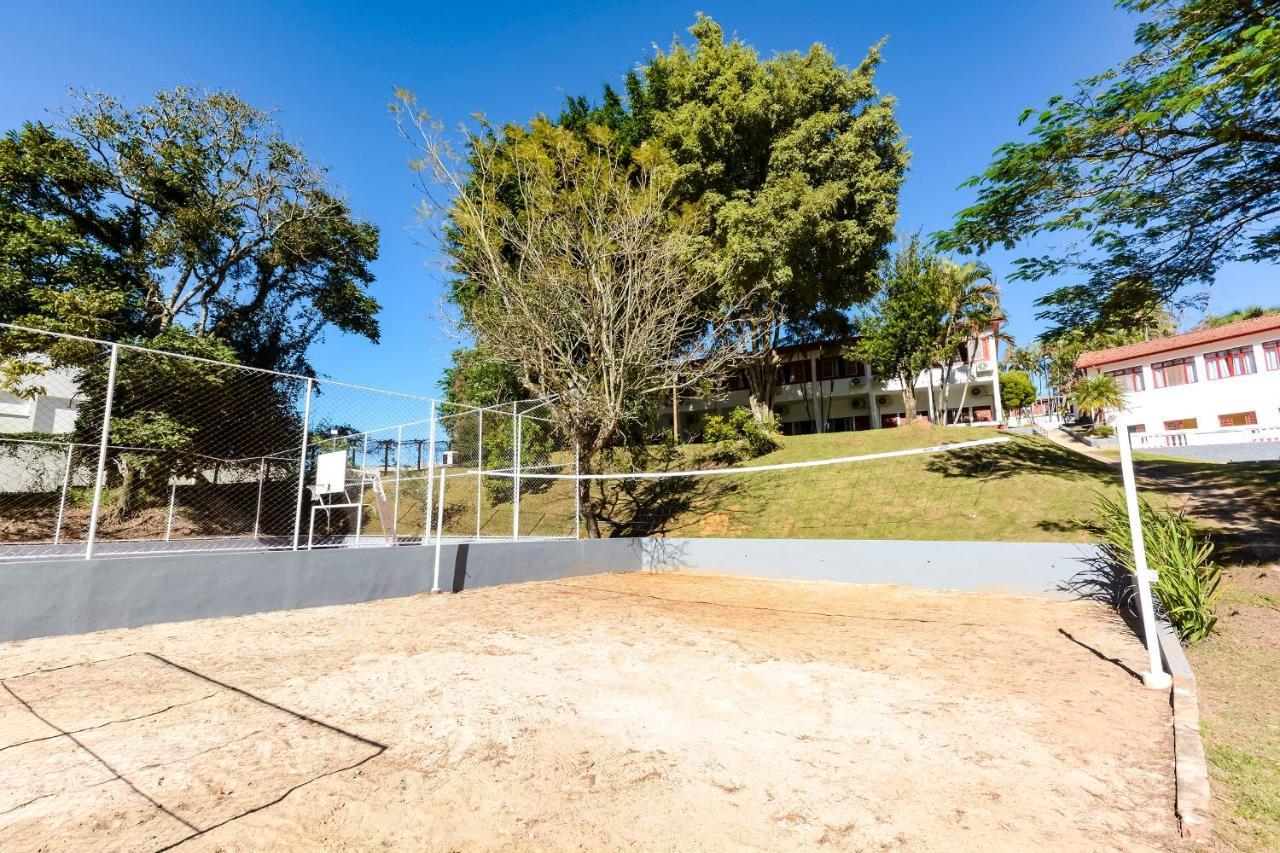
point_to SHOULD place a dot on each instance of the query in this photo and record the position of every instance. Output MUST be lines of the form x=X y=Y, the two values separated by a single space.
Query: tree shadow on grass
x=661 y=506
x=1021 y=455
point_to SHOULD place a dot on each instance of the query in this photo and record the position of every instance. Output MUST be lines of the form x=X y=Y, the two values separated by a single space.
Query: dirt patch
x=614 y=711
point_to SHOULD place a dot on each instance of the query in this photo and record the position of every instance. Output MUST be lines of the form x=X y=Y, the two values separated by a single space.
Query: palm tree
x=1096 y=394
x=971 y=302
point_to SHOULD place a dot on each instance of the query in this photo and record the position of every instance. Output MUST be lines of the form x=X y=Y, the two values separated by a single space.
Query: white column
x=1156 y=678
x=257 y=513
x=515 y=480
x=871 y=399
x=395 y=505
x=101 y=478
x=62 y=502
x=479 y=466
x=435 y=574
x=819 y=418
x=431 y=469
x=302 y=464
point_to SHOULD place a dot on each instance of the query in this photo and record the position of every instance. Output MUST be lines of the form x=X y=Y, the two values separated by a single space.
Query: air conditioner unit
x=446 y=458
x=858 y=403
x=880 y=401
x=982 y=368
x=976 y=392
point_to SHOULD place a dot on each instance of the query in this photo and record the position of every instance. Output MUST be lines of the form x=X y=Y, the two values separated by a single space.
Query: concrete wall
x=1024 y=568
x=75 y=596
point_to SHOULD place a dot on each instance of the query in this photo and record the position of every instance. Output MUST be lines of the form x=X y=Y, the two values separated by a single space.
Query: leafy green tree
x=1249 y=313
x=898 y=334
x=1094 y=395
x=582 y=275
x=970 y=306
x=191 y=210
x=1016 y=391
x=1161 y=169
x=792 y=166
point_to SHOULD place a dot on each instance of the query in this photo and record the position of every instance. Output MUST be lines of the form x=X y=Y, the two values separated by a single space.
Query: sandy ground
x=614 y=711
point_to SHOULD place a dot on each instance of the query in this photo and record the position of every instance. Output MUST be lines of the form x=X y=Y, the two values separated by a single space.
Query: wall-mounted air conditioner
x=858 y=403
x=880 y=401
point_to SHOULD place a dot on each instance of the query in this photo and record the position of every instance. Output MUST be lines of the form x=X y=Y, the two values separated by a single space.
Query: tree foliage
x=1248 y=313
x=1155 y=172
x=191 y=210
x=792 y=165
x=1096 y=394
x=581 y=275
x=1016 y=390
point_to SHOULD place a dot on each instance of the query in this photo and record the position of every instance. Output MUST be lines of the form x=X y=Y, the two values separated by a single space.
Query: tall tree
x=793 y=163
x=1163 y=168
x=1248 y=313
x=192 y=210
x=580 y=274
x=898 y=335
x=971 y=306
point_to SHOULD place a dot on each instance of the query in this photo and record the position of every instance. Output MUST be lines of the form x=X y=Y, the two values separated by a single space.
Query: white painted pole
x=62 y=502
x=395 y=504
x=577 y=491
x=302 y=465
x=257 y=513
x=1156 y=678
x=431 y=462
x=435 y=575
x=168 y=525
x=479 y=465
x=364 y=461
x=101 y=478
x=515 y=482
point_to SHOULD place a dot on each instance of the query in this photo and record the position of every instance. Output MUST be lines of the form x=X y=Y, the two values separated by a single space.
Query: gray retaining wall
x=1024 y=568
x=76 y=596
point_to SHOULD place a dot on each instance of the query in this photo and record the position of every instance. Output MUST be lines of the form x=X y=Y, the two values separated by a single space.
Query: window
x=1181 y=423
x=1238 y=419
x=1178 y=371
x=1137 y=428
x=1129 y=379
x=736 y=381
x=1229 y=362
x=835 y=367
x=1271 y=354
x=840 y=425
x=793 y=372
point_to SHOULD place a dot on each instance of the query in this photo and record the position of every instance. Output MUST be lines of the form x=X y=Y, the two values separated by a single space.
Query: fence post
x=435 y=574
x=431 y=470
x=62 y=502
x=479 y=465
x=395 y=504
x=173 y=498
x=515 y=481
x=577 y=490
x=100 y=479
x=257 y=513
x=364 y=463
x=1156 y=678
x=302 y=465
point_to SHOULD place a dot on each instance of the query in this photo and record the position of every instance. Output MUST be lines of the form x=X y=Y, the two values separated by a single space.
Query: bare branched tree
x=575 y=269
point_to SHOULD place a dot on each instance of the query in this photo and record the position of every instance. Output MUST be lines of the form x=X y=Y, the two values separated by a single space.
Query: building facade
x=53 y=410
x=819 y=391
x=1210 y=380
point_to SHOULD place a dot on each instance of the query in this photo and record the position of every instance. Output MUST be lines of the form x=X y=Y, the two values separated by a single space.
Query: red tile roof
x=1173 y=342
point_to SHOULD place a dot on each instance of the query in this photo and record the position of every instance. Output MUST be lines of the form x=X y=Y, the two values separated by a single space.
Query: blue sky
x=961 y=72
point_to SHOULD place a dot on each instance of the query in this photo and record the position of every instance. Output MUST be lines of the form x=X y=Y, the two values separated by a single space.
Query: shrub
x=739 y=435
x=1187 y=589
x=1102 y=431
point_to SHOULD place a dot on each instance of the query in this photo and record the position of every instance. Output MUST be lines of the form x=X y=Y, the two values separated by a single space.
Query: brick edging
x=1194 y=802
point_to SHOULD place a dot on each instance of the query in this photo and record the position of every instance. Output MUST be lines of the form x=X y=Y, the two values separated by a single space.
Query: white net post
x=1155 y=678
x=479 y=467
x=515 y=470
x=302 y=464
x=435 y=573
x=395 y=507
x=101 y=479
x=577 y=490
x=257 y=512
x=431 y=469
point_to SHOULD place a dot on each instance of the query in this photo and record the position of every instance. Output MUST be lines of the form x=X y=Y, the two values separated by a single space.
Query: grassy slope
x=1025 y=490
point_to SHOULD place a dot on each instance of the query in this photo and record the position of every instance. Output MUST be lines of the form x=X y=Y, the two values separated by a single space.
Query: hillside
x=1027 y=489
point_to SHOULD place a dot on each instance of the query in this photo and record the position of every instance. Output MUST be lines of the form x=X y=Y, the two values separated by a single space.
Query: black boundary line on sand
x=378 y=748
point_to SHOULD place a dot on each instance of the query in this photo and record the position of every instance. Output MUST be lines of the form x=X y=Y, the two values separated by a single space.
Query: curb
x=1194 y=801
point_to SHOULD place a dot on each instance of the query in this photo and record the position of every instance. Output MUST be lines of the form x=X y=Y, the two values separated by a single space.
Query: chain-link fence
x=110 y=449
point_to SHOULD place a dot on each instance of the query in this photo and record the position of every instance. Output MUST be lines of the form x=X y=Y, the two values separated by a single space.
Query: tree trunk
x=587 y=507
x=124 y=505
x=909 y=400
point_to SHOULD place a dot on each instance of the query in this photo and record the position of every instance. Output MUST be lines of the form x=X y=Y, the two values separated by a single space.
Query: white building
x=1226 y=378
x=819 y=390
x=51 y=411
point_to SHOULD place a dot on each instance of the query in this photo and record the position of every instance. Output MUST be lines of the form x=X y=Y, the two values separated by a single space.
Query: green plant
x=1187 y=588
x=1102 y=431
x=739 y=435
x=1096 y=394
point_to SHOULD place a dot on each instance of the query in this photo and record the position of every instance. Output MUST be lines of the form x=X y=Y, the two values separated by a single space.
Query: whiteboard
x=331 y=472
